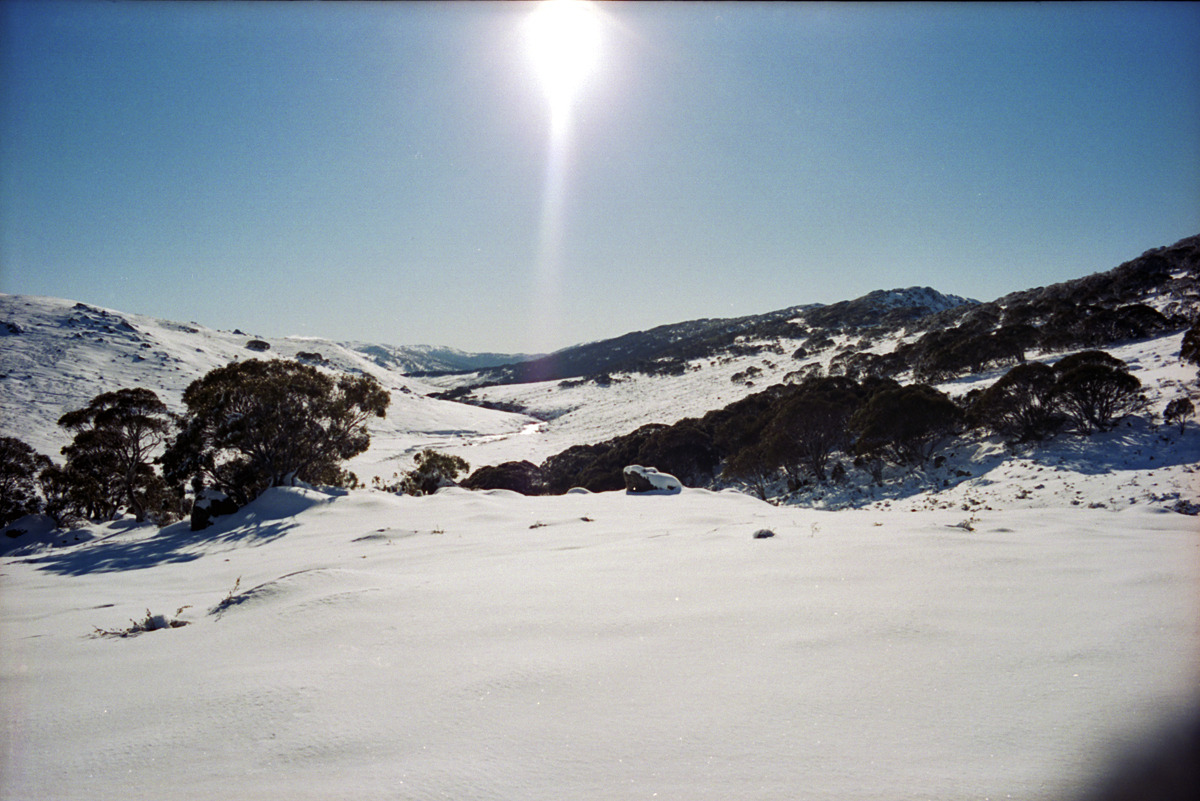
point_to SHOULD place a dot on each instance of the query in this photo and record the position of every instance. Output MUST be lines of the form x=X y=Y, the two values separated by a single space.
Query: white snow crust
x=603 y=646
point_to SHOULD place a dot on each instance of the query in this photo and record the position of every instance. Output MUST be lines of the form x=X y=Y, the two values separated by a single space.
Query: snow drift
x=488 y=645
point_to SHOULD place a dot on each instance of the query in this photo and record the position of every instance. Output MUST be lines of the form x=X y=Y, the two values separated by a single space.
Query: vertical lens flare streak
x=550 y=232
x=563 y=37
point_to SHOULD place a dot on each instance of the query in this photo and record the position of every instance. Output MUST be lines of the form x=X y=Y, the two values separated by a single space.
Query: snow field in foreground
x=600 y=646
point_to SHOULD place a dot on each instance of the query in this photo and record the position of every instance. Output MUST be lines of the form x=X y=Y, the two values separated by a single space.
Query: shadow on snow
x=1134 y=445
x=174 y=544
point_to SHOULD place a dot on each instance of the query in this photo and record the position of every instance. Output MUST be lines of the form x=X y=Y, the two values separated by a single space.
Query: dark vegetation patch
x=806 y=432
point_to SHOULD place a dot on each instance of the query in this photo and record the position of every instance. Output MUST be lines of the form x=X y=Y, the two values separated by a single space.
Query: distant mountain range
x=431 y=359
x=667 y=348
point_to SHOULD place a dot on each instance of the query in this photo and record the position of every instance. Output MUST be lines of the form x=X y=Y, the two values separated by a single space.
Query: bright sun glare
x=564 y=42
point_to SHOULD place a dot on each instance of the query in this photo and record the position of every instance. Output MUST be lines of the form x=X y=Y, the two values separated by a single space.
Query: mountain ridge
x=55 y=355
x=658 y=350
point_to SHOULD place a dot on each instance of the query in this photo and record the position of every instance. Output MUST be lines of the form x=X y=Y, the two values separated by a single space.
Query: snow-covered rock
x=641 y=480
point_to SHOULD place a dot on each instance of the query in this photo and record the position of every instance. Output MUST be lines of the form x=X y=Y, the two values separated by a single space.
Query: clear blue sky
x=381 y=171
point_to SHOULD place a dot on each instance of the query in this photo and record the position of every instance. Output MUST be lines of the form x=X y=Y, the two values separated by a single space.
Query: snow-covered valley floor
x=595 y=646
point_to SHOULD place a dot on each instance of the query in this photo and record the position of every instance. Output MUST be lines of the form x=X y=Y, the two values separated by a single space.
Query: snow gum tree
x=1096 y=397
x=904 y=425
x=1021 y=405
x=19 y=468
x=1095 y=391
x=811 y=425
x=752 y=467
x=1189 y=348
x=257 y=424
x=1178 y=412
x=109 y=460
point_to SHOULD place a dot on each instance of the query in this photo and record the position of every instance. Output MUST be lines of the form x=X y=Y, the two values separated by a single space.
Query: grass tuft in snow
x=151 y=622
x=231 y=599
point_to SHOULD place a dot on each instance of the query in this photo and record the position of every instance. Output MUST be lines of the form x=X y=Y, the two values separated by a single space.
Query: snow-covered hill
x=1143 y=462
x=56 y=355
x=420 y=359
x=666 y=348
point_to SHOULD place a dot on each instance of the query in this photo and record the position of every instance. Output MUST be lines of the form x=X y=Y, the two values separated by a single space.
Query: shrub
x=906 y=425
x=1084 y=357
x=151 y=622
x=523 y=477
x=19 y=468
x=810 y=426
x=433 y=471
x=1021 y=405
x=1189 y=349
x=256 y=424
x=62 y=502
x=1179 y=411
x=745 y=376
x=563 y=470
x=685 y=450
x=1091 y=326
x=752 y=467
x=740 y=424
x=1096 y=396
x=940 y=355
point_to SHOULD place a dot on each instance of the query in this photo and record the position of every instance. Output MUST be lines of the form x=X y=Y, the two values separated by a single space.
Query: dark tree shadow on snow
x=174 y=544
x=1134 y=445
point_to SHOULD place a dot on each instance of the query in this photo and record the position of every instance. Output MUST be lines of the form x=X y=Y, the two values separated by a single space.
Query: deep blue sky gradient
x=377 y=171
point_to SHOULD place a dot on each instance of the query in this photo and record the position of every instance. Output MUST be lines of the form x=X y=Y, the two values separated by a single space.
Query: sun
x=563 y=37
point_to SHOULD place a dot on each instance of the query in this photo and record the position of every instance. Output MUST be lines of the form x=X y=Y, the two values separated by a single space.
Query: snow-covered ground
x=602 y=646
x=996 y=627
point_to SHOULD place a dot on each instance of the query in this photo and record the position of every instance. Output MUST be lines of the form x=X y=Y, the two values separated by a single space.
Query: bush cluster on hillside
x=1086 y=391
x=248 y=426
x=807 y=431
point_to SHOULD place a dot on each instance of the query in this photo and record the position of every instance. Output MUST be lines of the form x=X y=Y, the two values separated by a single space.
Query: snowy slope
x=56 y=355
x=431 y=358
x=490 y=646
x=66 y=353
x=1142 y=462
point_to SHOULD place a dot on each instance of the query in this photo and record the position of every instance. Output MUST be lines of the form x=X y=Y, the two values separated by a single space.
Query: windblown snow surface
x=486 y=645
x=1008 y=633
